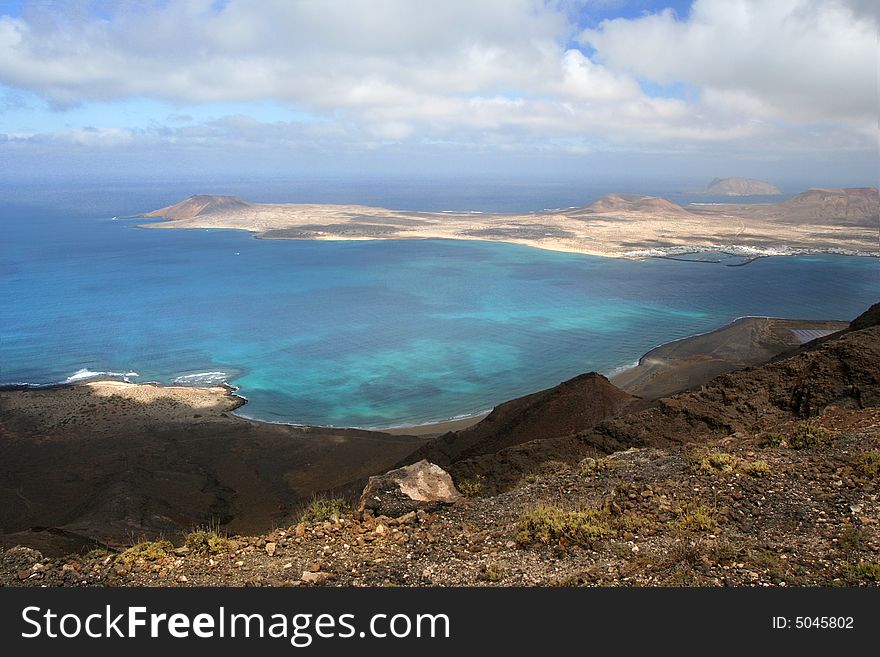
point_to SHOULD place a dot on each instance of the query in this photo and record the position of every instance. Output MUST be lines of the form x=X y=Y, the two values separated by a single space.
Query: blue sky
x=786 y=89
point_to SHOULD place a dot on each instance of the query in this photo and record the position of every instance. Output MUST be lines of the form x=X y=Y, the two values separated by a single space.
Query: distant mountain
x=200 y=204
x=635 y=203
x=854 y=203
x=739 y=187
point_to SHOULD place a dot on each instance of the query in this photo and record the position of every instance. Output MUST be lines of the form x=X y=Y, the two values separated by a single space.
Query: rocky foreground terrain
x=767 y=476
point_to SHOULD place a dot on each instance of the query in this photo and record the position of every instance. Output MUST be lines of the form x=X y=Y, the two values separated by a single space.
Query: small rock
x=270 y=548
x=405 y=518
x=314 y=578
x=300 y=530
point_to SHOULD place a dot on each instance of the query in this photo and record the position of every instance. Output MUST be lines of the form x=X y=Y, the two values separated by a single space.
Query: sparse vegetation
x=707 y=462
x=322 y=509
x=697 y=519
x=592 y=466
x=472 y=487
x=206 y=541
x=146 y=551
x=551 y=524
x=807 y=435
x=868 y=463
x=864 y=570
x=726 y=550
x=772 y=439
x=763 y=558
x=758 y=468
x=492 y=572
x=552 y=467
x=632 y=522
x=852 y=539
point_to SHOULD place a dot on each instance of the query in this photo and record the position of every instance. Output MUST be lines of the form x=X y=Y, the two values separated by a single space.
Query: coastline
x=690 y=361
x=665 y=368
x=233 y=402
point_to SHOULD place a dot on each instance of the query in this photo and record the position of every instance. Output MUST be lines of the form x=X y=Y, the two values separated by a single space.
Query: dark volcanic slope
x=115 y=470
x=841 y=370
x=575 y=405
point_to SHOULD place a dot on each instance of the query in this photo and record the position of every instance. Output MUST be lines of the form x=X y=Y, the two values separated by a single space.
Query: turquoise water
x=365 y=333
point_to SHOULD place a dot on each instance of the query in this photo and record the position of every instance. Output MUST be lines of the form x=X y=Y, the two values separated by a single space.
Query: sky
x=784 y=90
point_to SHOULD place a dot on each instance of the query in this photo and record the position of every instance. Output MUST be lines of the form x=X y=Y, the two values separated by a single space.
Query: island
x=739 y=187
x=843 y=221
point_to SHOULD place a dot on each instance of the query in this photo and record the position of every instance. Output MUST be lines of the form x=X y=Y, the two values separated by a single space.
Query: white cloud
x=498 y=73
x=798 y=60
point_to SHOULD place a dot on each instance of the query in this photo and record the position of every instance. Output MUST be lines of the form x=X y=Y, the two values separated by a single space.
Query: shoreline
x=430 y=428
x=620 y=376
x=669 y=252
x=692 y=360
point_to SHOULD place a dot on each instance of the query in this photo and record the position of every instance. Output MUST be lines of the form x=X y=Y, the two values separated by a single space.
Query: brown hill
x=575 y=405
x=841 y=370
x=200 y=204
x=634 y=203
x=858 y=204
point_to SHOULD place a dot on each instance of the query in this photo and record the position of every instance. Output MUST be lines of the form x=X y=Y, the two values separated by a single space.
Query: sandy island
x=842 y=221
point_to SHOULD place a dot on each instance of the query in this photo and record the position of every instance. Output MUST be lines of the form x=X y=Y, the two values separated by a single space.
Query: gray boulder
x=421 y=485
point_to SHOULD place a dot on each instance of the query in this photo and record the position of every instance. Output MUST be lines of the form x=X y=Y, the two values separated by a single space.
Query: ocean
x=367 y=334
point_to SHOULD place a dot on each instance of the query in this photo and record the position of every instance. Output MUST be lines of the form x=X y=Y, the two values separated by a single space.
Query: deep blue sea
x=364 y=334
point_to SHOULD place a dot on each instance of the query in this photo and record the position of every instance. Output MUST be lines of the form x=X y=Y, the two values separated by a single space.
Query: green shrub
x=868 y=463
x=492 y=572
x=771 y=439
x=203 y=541
x=322 y=509
x=632 y=522
x=702 y=461
x=808 y=435
x=864 y=570
x=472 y=487
x=592 y=466
x=550 y=524
x=697 y=519
x=852 y=539
x=754 y=468
x=146 y=551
